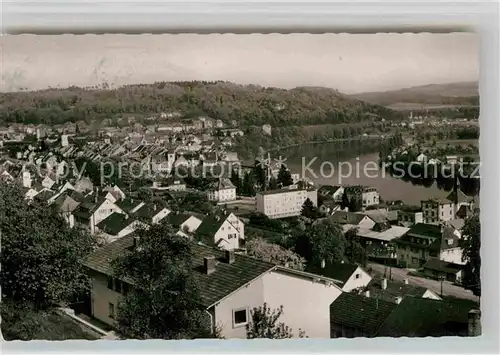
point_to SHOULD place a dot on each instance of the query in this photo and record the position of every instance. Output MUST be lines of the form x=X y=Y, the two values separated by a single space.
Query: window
x=111 y=310
x=110 y=282
x=239 y=317
x=124 y=288
x=118 y=286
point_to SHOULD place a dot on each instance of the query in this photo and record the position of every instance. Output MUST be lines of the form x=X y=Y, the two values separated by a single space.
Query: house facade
x=425 y=241
x=436 y=210
x=284 y=202
x=243 y=284
x=224 y=232
x=222 y=191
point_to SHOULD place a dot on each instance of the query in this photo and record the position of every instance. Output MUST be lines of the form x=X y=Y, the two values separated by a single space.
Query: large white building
x=222 y=191
x=284 y=202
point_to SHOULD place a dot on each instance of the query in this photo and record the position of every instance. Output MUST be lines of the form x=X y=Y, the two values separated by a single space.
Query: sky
x=350 y=63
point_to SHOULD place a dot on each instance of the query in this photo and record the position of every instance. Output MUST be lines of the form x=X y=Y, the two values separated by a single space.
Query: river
x=353 y=166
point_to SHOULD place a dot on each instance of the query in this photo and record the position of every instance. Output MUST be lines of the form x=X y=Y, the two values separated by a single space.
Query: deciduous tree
x=164 y=300
x=471 y=245
x=41 y=256
x=264 y=323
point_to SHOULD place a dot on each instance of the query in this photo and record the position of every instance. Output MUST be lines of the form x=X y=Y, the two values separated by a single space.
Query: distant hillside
x=246 y=104
x=464 y=93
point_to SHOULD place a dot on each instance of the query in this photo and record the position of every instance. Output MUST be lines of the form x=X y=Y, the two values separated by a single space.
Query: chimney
x=367 y=293
x=384 y=284
x=209 y=264
x=136 y=242
x=474 y=323
x=229 y=256
x=405 y=281
x=398 y=299
x=323 y=263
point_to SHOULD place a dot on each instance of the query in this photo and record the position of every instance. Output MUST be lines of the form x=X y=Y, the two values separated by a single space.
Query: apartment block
x=284 y=203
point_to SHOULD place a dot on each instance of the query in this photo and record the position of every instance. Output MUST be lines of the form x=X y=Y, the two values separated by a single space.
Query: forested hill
x=247 y=104
x=461 y=93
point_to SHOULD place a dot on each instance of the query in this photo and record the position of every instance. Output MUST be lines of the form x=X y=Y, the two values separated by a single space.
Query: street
x=448 y=288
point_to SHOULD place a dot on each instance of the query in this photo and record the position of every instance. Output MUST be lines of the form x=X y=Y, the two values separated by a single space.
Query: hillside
x=461 y=94
x=246 y=104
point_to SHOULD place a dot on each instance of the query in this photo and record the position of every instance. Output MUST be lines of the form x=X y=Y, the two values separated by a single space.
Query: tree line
x=247 y=104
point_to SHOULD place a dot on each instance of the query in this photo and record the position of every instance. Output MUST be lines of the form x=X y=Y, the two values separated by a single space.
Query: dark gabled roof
x=149 y=210
x=87 y=208
x=114 y=223
x=347 y=217
x=442 y=266
x=461 y=196
x=210 y=225
x=176 y=219
x=359 y=312
x=427 y=230
x=128 y=204
x=337 y=271
x=328 y=189
x=44 y=195
x=226 y=278
x=420 y=317
x=393 y=290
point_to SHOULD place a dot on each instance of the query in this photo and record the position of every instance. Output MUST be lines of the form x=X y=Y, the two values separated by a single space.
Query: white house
x=348 y=276
x=222 y=191
x=91 y=213
x=184 y=222
x=226 y=232
x=152 y=213
x=117 y=225
x=242 y=284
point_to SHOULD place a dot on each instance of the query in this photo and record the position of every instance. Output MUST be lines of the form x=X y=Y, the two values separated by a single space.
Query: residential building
x=283 y=203
x=231 y=285
x=151 y=213
x=222 y=191
x=424 y=241
x=442 y=270
x=185 y=223
x=348 y=276
x=393 y=291
x=353 y=315
x=439 y=210
x=66 y=203
x=225 y=232
x=117 y=225
x=334 y=192
x=408 y=217
x=367 y=196
x=130 y=205
x=91 y=213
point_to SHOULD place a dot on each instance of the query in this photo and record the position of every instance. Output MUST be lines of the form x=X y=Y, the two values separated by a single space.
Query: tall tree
x=355 y=251
x=471 y=245
x=323 y=240
x=164 y=302
x=284 y=176
x=264 y=324
x=309 y=210
x=41 y=256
